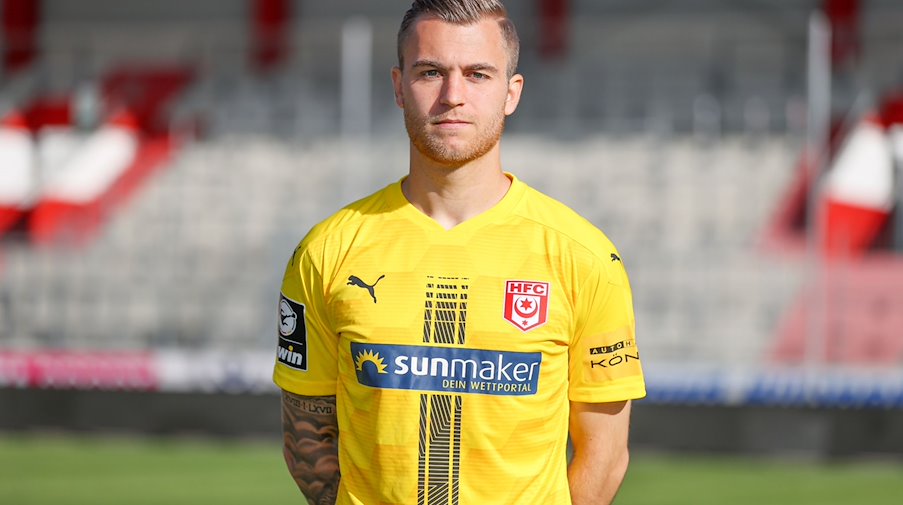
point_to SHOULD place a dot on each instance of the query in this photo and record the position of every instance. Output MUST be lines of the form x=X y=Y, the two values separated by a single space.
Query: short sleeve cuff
x=632 y=389
x=289 y=381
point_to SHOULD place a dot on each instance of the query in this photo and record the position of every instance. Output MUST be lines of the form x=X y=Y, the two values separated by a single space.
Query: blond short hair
x=463 y=12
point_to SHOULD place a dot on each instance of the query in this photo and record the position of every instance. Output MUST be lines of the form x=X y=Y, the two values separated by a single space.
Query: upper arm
x=307 y=352
x=309 y=424
x=599 y=426
x=604 y=361
x=310 y=444
x=599 y=435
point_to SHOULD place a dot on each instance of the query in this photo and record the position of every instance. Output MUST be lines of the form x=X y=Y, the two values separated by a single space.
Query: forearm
x=310 y=436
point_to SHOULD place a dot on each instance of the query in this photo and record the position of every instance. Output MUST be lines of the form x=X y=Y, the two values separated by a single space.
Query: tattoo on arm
x=310 y=436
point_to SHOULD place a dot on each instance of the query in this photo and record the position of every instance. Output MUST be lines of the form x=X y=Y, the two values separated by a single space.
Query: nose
x=453 y=91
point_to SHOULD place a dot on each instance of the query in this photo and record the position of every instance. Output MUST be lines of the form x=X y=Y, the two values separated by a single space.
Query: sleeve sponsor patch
x=609 y=349
x=613 y=355
x=292 y=348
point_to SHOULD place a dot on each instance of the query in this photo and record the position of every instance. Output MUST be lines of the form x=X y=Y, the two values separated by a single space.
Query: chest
x=485 y=295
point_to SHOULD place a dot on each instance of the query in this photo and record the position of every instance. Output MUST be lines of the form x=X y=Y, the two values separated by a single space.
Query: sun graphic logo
x=368 y=356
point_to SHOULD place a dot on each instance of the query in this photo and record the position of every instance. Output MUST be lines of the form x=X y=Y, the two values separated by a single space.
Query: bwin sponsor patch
x=446 y=369
x=292 y=348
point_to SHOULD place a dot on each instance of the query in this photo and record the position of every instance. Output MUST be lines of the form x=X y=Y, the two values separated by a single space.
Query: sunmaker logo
x=446 y=369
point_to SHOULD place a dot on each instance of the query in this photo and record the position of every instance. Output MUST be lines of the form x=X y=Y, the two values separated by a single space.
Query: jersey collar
x=499 y=211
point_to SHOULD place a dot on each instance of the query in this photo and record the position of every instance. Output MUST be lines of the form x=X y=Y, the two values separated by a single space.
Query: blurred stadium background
x=160 y=160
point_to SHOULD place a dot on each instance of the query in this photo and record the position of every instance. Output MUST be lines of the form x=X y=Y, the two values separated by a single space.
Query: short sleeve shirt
x=453 y=354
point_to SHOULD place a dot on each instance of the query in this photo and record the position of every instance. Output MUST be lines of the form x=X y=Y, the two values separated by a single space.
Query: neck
x=451 y=195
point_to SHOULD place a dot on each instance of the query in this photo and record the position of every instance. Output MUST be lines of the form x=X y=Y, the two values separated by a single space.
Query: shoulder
x=331 y=231
x=569 y=235
x=567 y=225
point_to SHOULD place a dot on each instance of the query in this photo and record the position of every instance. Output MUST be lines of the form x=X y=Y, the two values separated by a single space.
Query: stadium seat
x=857 y=305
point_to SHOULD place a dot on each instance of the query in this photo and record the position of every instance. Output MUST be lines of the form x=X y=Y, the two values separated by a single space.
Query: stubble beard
x=437 y=149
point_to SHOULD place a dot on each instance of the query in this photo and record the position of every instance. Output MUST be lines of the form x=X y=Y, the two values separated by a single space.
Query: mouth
x=451 y=123
x=448 y=119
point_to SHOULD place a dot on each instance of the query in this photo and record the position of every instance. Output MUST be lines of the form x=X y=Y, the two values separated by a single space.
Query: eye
x=479 y=76
x=432 y=73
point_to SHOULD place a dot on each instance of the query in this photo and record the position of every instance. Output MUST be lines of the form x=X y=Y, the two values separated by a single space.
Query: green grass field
x=99 y=471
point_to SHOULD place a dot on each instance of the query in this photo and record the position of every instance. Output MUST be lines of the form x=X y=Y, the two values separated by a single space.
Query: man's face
x=454 y=89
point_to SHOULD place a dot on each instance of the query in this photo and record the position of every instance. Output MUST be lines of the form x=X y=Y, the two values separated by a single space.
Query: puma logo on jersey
x=356 y=281
x=615 y=257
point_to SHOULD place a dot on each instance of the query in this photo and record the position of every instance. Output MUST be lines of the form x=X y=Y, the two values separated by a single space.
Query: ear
x=515 y=88
x=396 y=85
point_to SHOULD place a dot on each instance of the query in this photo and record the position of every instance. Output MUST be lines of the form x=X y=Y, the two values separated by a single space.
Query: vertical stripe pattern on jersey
x=445 y=311
x=439 y=464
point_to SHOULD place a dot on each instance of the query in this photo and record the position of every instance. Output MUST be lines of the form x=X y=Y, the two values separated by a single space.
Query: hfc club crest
x=526 y=304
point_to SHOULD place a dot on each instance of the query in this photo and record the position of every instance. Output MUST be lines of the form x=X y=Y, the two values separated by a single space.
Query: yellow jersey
x=453 y=354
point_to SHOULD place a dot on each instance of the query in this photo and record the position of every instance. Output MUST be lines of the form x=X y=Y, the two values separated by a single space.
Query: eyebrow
x=479 y=67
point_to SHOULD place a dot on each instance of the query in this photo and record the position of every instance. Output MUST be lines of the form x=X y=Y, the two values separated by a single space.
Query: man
x=452 y=329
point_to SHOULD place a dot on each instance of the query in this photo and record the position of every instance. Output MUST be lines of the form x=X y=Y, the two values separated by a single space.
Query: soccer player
x=441 y=338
